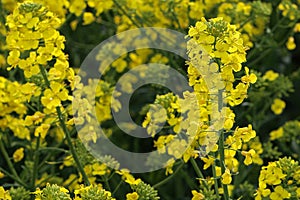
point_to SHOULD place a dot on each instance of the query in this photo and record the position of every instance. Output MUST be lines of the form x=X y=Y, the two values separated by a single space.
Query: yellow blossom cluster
x=216 y=48
x=224 y=45
x=279 y=180
x=12 y=102
x=34 y=43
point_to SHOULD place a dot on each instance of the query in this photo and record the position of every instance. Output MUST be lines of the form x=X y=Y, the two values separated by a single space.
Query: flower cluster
x=279 y=180
x=224 y=46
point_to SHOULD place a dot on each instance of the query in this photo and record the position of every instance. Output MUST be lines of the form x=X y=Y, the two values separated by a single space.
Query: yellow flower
x=77 y=7
x=34 y=119
x=226 y=177
x=1 y=174
x=73 y=24
x=218 y=171
x=53 y=97
x=177 y=147
x=230 y=161
x=18 y=154
x=270 y=75
x=99 y=169
x=208 y=162
x=132 y=196
x=251 y=153
x=68 y=161
x=37 y=191
x=4 y=195
x=271 y=175
x=245 y=133
x=261 y=192
x=279 y=193
x=120 y=64
x=42 y=130
x=229 y=118
x=290 y=44
x=298 y=192
x=278 y=106
x=30 y=89
x=197 y=195
x=276 y=134
x=13 y=58
x=128 y=177
x=64 y=190
x=199 y=27
x=88 y=18
x=297 y=28
x=101 y=6
x=169 y=166
x=249 y=78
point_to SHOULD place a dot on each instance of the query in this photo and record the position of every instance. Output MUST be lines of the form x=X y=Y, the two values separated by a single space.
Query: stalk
x=67 y=133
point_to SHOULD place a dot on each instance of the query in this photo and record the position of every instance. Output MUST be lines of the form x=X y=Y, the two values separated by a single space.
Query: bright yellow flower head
x=4 y=195
x=88 y=18
x=226 y=177
x=280 y=193
x=298 y=192
x=208 y=162
x=77 y=7
x=2 y=175
x=276 y=134
x=29 y=24
x=18 y=154
x=249 y=78
x=278 y=106
x=128 y=177
x=42 y=130
x=262 y=192
x=290 y=44
x=270 y=75
x=132 y=196
x=251 y=153
x=197 y=195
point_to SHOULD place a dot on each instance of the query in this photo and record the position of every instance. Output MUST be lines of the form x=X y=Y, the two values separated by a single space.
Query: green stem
x=13 y=177
x=196 y=168
x=67 y=133
x=222 y=159
x=2 y=14
x=261 y=56
x=215 y=179
x=71 y=146
x=198 y=171
x=10 y=165
x=36 y=161
x=169 y=177
x=106 y=183
x=53 y=149
x=117 y=187
x=43 y=72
